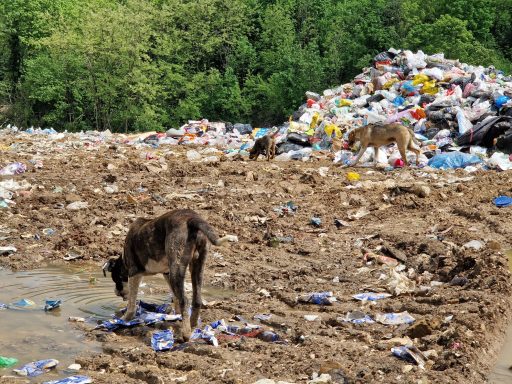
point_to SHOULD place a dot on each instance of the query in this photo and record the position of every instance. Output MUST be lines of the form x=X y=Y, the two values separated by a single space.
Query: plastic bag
x=451 y=160
x=420 y=79
x=298 y=138
x=415 y=61
x=434 y=73
x=463 y=122
x=193 y=155
x=500 y=160
x=501 y=101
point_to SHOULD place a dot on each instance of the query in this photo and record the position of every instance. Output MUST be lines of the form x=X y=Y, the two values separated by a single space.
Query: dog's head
x=253 y=153
x=351 y=138
x=119 y=276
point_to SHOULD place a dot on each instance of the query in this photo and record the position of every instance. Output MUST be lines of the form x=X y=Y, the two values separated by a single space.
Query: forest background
x=142 y=65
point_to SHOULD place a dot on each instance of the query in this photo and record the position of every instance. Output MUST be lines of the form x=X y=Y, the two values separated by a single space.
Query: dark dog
x=167 y=245
x=265 y=145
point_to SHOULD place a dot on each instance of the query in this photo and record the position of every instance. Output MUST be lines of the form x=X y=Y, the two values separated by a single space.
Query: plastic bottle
x=7 y=361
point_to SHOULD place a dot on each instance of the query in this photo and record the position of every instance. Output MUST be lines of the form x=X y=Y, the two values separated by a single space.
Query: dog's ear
x=108 y=266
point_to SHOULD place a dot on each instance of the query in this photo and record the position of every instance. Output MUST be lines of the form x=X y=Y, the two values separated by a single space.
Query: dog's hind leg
x=196 y=272
x=416 y=150
x=133 y=288
x=179 y=251
x=403 y=153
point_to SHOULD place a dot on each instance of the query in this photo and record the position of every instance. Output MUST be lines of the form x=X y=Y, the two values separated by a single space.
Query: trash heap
x=451 y=106
x=461 y=111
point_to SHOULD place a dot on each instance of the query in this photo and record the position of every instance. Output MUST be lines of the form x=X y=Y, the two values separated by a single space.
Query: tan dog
x=373 y=135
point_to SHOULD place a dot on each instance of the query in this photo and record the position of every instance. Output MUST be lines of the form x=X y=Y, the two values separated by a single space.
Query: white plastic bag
x=463 y=122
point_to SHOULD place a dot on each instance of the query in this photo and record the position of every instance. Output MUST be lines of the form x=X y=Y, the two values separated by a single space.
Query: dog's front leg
x=133 y=288
x=360 y=154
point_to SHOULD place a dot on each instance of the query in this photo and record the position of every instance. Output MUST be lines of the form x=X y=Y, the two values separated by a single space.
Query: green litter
x=7 y=361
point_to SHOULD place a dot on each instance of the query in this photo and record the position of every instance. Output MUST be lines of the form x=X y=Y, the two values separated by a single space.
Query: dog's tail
x=200 y=225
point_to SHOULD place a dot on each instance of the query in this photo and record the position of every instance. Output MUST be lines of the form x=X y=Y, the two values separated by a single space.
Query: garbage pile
x=461 y=111
x=451 y=106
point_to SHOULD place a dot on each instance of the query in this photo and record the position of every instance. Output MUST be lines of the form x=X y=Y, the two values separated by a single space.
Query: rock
x=419 y=329
x=77 y=205
x=407 y=368
x=474 y=244
x=310 y=317
x=420 y=190
x=251 y=176
x=74 y=367
x=71 y=198
x=323 y=378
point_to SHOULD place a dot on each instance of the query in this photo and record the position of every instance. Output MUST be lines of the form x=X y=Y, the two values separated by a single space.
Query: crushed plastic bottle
x=7 y=361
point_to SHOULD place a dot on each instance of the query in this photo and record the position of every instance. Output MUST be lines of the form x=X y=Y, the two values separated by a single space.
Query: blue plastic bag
x=452 y=160
x=78 y=379
x=501 y=101
x=398 y=101
x=162 y=341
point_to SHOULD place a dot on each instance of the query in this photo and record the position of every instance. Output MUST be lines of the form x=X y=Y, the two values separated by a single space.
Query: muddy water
x=30 y=333
x=501 y=373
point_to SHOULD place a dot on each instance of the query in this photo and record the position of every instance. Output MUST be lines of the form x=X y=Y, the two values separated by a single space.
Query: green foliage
x=134 y=65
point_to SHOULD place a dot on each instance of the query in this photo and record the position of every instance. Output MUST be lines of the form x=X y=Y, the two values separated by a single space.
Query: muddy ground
x=239 y=197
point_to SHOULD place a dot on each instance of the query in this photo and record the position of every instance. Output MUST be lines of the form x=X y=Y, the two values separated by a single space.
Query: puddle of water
x=501 y=373
x=31 y=334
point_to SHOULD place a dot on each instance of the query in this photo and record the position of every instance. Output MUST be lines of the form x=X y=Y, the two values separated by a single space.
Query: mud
x=461 y=326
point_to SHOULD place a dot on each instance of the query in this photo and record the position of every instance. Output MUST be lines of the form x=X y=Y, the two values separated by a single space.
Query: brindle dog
x=167 y=244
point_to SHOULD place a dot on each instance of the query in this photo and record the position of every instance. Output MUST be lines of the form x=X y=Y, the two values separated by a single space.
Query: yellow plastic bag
x=344 y=103
x=353 y=176
x=388 y=84
x=420 y=78
x=330 y=128
x=430 y=88
x=314 y=120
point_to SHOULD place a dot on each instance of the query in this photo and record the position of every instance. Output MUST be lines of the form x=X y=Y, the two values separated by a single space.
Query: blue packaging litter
x=319 y=298
x=162 y=341
x=371 y=296
x=78 y=379
x=24 y=303
x=145 y=314
x=36 y=368
x=52 y=304
x=395 y=318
